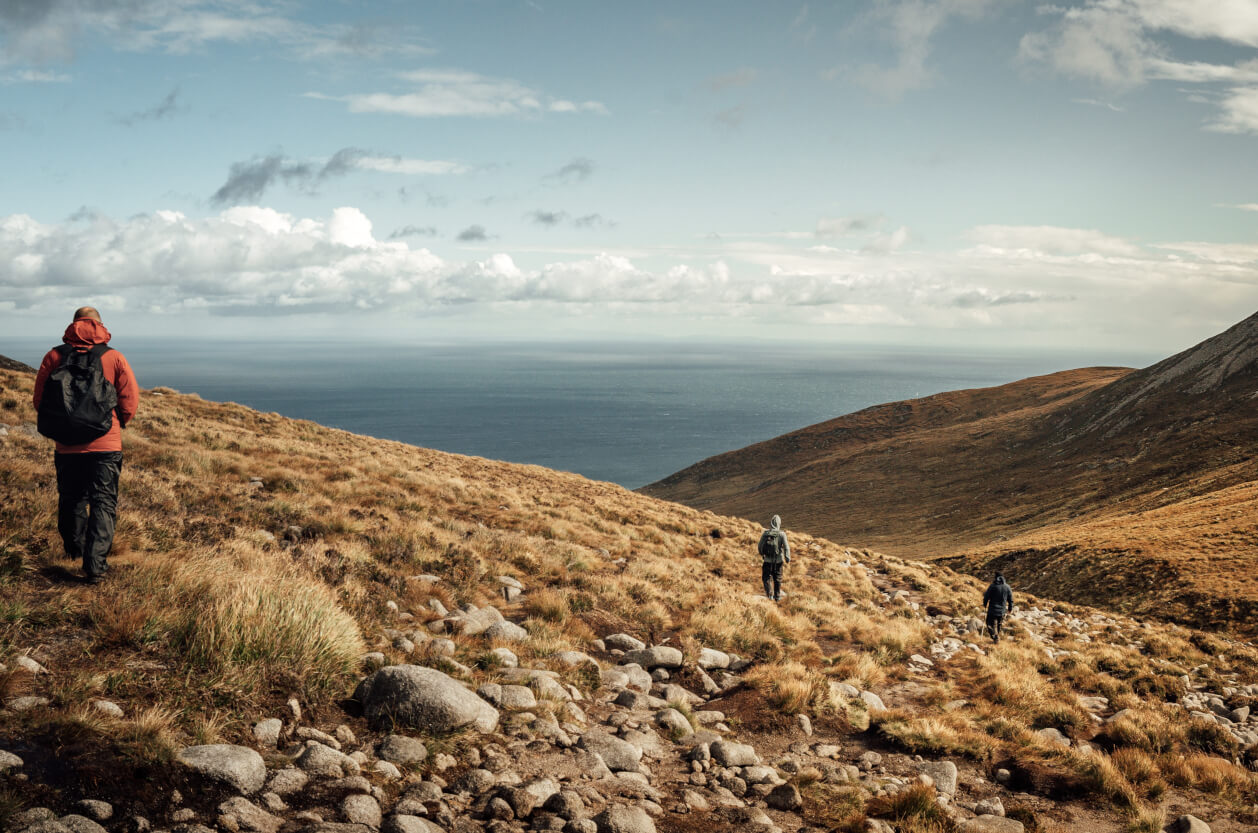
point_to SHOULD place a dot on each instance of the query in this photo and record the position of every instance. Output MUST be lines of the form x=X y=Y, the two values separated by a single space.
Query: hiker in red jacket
x=87 y=472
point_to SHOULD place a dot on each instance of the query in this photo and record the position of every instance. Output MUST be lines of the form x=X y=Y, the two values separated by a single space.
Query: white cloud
x=1239 y=112
x=1117 y=43
x=49 y=30
x=256 y=260
x=414 y=167
x=910 y=25
x=1051 y=240
x=1248 y=206
x=34 y=76
x=458 y=93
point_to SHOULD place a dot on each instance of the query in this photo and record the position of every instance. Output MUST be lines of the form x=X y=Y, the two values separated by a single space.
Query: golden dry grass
x=244 y=595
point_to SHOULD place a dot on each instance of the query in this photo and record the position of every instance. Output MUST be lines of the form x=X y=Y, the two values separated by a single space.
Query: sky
x=971 y=173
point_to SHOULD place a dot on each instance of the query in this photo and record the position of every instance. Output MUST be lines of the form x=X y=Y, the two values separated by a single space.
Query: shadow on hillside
x=61 y=575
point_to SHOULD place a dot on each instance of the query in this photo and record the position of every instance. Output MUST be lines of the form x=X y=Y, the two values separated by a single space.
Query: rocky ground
x=625 y=737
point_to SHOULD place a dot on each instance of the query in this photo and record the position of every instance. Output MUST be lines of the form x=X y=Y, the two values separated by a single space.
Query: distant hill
x=1134 y=489
x=13 y=364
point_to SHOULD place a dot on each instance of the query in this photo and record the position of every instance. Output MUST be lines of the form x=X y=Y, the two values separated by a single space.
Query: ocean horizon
x=629 y=413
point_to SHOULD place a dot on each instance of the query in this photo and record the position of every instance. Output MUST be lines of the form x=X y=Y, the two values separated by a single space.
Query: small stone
x=249 y=816
x=237 y=766
x=505 y=657
x=623 y=642
x=992 y=824
x=728 y=753
x=25 y=704
x=267 y=732
x=96 y=810
x=80 y=824
x=386 y=770
x=1054 y=736
x=9 y=761
x=785 y=797
x=990 y=807
x=944 y=774
x=28 y=664
x=361 y=809
x=288 y=781
x=619 y=818
x=1188 y=824
x=107 y=708
x=804 y=723
x=399 y=749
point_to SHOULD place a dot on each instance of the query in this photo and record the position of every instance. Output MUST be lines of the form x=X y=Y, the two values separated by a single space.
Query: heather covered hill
x=305 y=629
x=1051 y=478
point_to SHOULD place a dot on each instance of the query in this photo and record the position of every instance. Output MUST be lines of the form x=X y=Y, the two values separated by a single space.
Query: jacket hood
x=999 y=580
x=776 y=523
x=86 y=332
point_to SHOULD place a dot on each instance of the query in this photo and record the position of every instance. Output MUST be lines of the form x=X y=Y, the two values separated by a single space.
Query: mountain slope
x=965 y=475
x=264 y=566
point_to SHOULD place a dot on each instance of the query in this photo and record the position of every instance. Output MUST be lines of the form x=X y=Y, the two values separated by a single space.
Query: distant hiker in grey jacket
x=776 y=551
x=999 y=601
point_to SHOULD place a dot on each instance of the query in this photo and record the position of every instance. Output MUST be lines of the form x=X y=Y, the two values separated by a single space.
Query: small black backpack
x=78 y=402
x=771 y=544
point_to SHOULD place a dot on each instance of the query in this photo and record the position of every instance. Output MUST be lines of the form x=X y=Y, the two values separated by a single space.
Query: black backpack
x=78 y=402
x=771 y=544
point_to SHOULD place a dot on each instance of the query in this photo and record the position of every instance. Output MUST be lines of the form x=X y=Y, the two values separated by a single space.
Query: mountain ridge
x=1012 y=470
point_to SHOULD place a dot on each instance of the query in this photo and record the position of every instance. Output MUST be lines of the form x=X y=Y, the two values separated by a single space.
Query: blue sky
x=959 y=172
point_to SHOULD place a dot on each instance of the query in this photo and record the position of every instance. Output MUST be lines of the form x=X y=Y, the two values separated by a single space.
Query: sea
x=629 y=413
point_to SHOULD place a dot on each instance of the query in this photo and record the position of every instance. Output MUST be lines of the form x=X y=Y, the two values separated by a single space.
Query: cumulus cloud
x=248 y=181
x=251 y=260
x=1123 y=44
x=438 y=93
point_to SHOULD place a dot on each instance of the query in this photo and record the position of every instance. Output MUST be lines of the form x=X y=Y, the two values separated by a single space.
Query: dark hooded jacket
x=999 y=597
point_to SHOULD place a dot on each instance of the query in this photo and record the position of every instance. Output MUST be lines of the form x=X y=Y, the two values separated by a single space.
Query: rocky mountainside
x=308 y=630
x=1100 y=485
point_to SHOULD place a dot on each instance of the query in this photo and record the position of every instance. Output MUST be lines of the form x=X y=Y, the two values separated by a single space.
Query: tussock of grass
x=913 y=810
x=949 y=735
x=791 y=688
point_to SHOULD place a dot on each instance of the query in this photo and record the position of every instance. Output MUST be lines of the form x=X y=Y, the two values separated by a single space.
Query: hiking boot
x=95 y=579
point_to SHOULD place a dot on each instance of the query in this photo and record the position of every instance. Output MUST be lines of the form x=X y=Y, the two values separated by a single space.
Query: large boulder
x=657 y=656
x=239 y=767
x=412 y=695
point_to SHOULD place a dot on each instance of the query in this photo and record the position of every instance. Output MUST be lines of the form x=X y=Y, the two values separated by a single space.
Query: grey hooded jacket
x=783 y=553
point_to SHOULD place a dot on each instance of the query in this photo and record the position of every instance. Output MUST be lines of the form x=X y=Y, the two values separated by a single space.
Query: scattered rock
x=992 y=824
x=288 y=781
x=1188 y=824
x=943 y=773
x=248 y=816
x=412 y=695
x=325 y=761
x=107 y=708
x=361 y=809
x=728 y=753
x=785 y=797
x=507 y=632
x=267 y=732
x=96 y=810
x=399 y=749
x=9 y=761
x=623 y=642
x=657 y=656
x=239 y=767
x=617 y=754
x=619 y=818
x=80 y=824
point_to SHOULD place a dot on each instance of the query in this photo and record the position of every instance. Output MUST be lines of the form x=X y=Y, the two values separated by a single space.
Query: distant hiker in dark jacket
x=776 y=551
x=87 y=470
x=999 y=601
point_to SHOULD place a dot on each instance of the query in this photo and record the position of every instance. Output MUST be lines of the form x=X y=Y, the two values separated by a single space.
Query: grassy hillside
x=1129 y=489
x=260 y=558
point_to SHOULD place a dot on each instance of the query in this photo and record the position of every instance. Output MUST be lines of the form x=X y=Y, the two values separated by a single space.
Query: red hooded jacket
x=85 y=333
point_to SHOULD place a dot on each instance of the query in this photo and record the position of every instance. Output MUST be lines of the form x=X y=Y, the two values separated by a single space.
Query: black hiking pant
x=995 y=621
x=88 y=506
x=771 y=575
